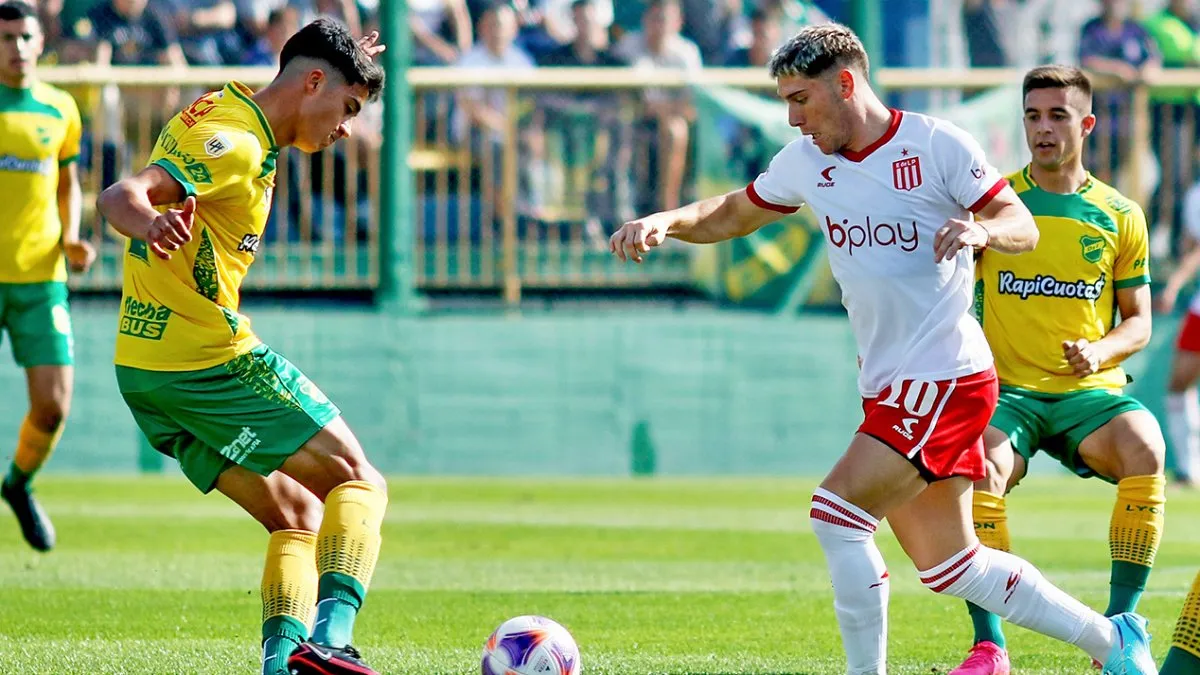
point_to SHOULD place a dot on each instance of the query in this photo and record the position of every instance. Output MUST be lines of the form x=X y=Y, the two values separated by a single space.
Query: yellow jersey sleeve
x=1132 y=264
x=205 y=158
x=69 y=150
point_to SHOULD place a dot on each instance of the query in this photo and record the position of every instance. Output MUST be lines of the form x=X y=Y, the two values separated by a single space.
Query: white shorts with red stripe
x=939 y=425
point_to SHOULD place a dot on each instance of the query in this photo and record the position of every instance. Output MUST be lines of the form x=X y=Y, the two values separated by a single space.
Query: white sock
x=1183 y=424
x=860 y=580
x=1016 y=591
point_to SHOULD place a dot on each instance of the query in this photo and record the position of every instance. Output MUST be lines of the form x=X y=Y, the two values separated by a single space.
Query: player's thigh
x=276 y=501
x=331 y=457
x=937 y=524
x=39 y=324
x=874 y=477
x=1021 y=420
x=1129 y=443
x=1106 y=434
x=256 y=411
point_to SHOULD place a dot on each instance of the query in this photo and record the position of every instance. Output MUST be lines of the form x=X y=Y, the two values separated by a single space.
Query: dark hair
x=277 y=15
x=330 y=41
x=816 y=49
x=577 y=4
x=1057 y=77
x=661 y=4
x=15 y=10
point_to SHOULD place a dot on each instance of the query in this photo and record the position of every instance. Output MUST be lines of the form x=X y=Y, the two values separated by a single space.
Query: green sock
x=1180 y=662
x=339 y=597
x=17 y=477
x=1125 y=586
x=987 y=625
x=281 y=635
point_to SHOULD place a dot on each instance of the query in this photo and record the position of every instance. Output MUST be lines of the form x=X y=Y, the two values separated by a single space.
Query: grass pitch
x=651 y=576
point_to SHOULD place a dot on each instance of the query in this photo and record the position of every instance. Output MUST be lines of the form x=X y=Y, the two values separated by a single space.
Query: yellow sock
x=1187 y=629
x=289 y=595
x=33 y=448
x=1134 y=533
x=1137 y=519
x=991 y=520
x=347 y=550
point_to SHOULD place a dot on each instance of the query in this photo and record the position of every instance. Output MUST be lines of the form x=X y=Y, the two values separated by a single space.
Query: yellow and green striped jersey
x=1091 y=243
x=182 y=314
x=39 y=133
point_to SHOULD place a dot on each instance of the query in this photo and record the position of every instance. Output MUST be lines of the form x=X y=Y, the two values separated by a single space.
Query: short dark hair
x=577 y=4
x=330 y=41
x=816 y=49
x=1057 y=76
x=15 y=10
x=660 y=4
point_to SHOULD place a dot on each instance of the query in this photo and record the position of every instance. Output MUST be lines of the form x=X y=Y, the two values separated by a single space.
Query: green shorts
x=38 y=322
x=1057 y=423
x=254 y=411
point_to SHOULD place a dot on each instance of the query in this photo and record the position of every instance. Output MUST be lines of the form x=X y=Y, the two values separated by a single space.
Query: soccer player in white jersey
x=894 y=193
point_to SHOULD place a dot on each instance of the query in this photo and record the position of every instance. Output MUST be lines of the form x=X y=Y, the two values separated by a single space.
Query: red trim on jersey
x=988 y=196
x=764 y=204
x=860 y=155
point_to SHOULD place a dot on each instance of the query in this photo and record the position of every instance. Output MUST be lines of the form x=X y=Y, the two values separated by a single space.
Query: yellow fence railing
x=520 y=177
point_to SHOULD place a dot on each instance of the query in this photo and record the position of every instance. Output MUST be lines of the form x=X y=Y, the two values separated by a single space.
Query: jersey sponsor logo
x=906 y=173
x=250 y=244
x=45 y=167
x=201 y=107
x=826 y=174
x=977 y=173
x=196 y=170
x=1049 y=287
x=1093 y=248
x=144 y=319
x=218 y=145
x=240 y=448
x=870 y=235
x=1118 y=204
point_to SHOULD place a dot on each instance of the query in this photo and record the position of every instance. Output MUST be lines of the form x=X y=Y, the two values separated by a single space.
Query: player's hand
x=1083 y=357
x=637 y=237
x=80 y=255
x=956 y=235
x=172 y=230
x=368 y=44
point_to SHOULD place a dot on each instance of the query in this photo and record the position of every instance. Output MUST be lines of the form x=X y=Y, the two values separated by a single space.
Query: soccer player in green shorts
x=1049 y=317
x=237 y=416
x=39 y=239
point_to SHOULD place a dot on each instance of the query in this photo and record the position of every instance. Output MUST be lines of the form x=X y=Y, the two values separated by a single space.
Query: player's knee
x=299 y=511
x=1142 y=456
x=996 y=477
x=352 y=465
x=48 y=416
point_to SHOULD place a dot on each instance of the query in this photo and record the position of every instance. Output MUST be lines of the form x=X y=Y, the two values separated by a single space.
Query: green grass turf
x=651 y=576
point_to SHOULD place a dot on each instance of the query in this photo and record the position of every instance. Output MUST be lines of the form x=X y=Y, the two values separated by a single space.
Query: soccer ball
x=530 y=645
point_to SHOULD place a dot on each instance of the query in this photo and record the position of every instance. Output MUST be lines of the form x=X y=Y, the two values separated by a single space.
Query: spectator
x=600 y=115
x=131 y=34
x=766 y=33
x=207 y=30
x=428 y=20
x=1114 y=45
x=1173 y=120
x=281 y=25
x=794 y=14
x=982 y=32
x=668 y=113
x=712 y=25
x=561 y=24
x=483 y=113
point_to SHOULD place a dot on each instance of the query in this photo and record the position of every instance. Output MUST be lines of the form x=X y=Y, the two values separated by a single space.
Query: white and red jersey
x=880 y=209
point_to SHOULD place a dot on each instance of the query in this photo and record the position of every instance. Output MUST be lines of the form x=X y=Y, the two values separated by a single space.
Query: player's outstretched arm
x=128 y=206
x=1182 y=274
x=704 y=222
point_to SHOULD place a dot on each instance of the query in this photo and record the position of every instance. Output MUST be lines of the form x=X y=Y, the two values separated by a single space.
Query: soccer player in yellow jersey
x=39 y=239
x=1049 y=317
x=237 y=416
